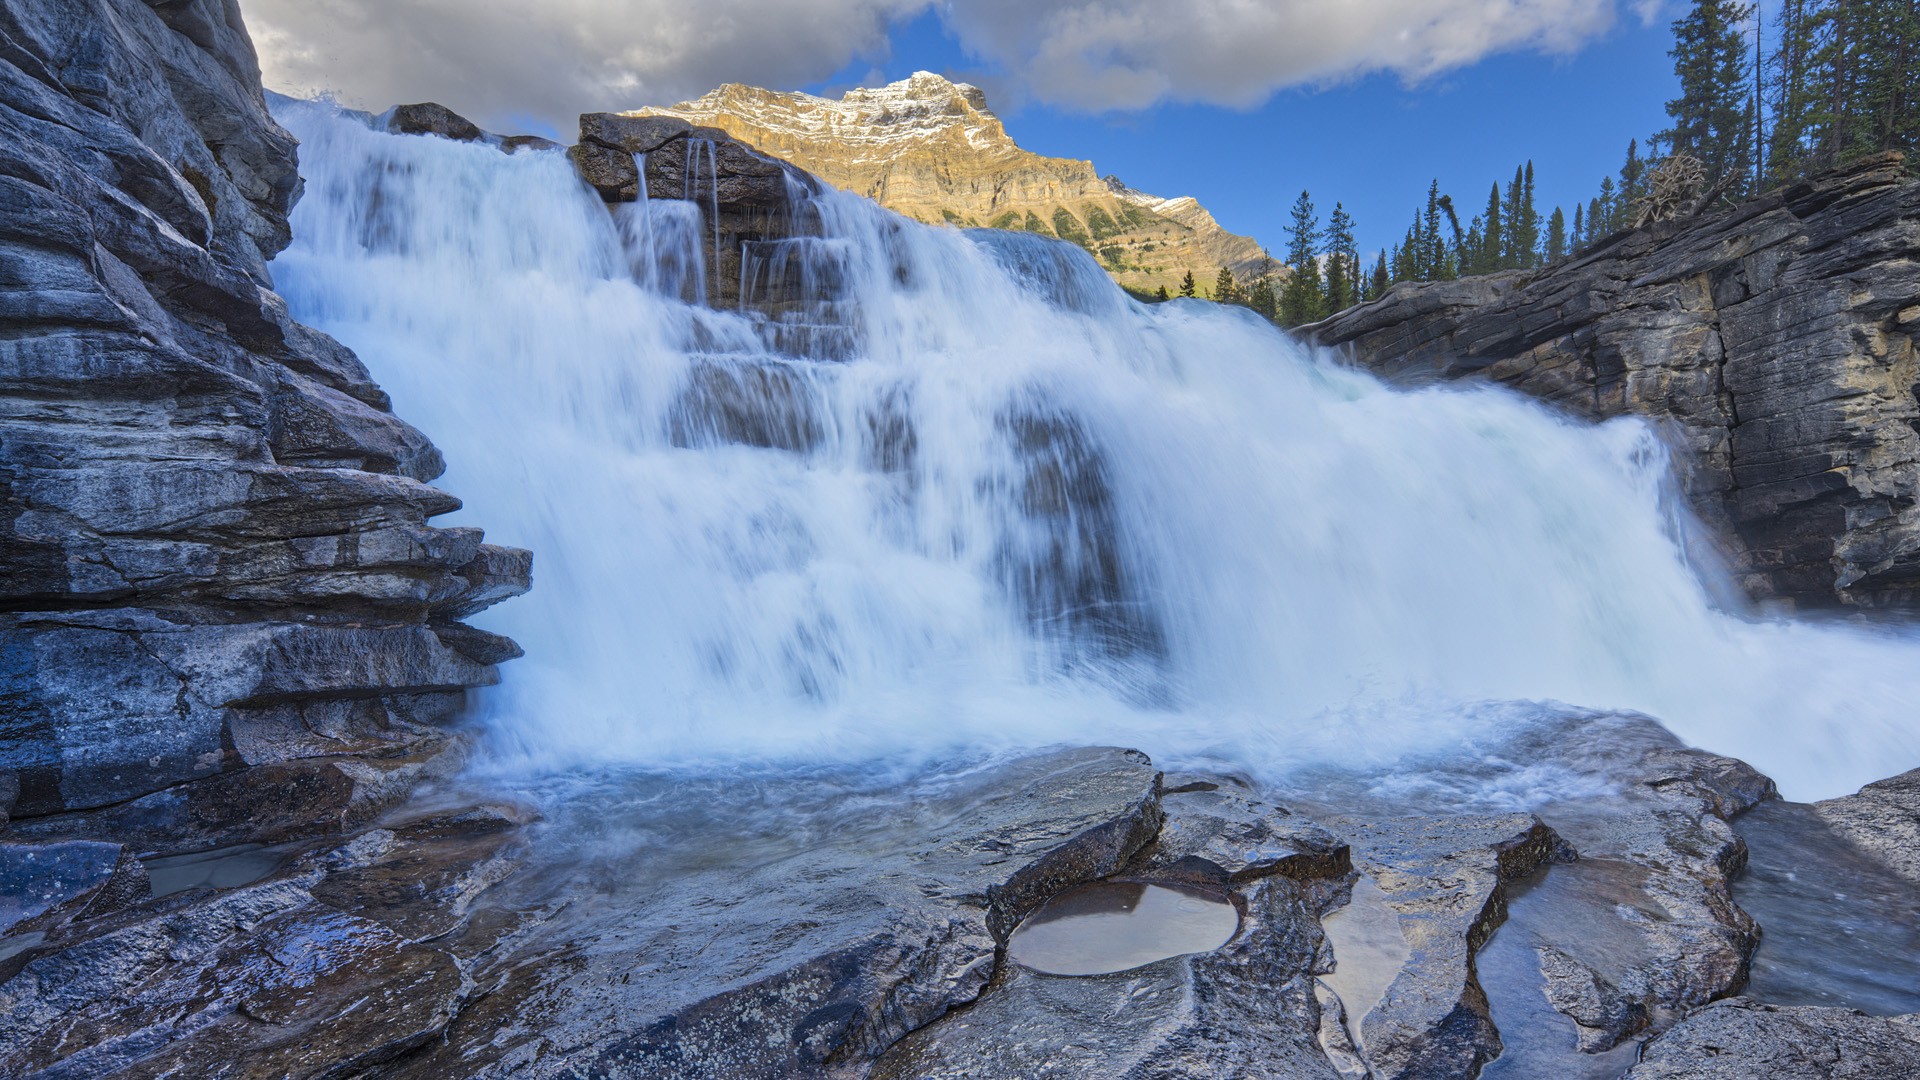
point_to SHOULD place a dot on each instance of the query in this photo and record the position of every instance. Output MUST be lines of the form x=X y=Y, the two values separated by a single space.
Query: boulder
x=431 y=118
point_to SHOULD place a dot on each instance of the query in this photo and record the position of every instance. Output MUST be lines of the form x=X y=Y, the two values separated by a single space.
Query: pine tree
x=1557 y=235
x=1795 y=93
x=1162 y=294
x=1609 y=209
x=1434 y=263
x=1382 y=278
x=1260 y=297
x=1187 y=285
x=1710 y=119
x=1301 y=299
x=1514 y=210
x=1343 y=260
x=1527 y=226
x=1226 y=290
x=1631 y=173
x=1493 y=243
x=1579 y=238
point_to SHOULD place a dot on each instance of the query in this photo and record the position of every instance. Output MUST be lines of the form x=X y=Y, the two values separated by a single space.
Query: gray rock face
x=1739 y=1040
x=1776 y=343
x=215 y=530
x=1882 y=819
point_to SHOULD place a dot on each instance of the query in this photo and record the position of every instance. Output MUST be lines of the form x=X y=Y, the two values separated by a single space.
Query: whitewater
x=967 y=497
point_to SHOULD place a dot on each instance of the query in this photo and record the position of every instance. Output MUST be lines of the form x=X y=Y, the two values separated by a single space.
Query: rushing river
x=963 y=496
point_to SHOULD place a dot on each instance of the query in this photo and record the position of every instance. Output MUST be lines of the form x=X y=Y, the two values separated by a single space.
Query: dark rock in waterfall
x=514 y=143
x=216 y=620
x=1775 y=343
x=1071 y=574
x=747 y=190
x=432 y=118
x=1739 y=1040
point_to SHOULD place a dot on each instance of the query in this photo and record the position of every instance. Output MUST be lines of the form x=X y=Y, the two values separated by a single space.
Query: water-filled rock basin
x=1114 y=926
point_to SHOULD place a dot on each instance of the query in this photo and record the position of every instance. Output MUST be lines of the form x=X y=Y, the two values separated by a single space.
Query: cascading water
x=937 y=493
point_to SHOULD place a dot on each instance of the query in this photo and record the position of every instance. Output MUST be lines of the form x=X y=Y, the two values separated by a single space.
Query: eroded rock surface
x=1739 y=1040
x=225 y=615
x=1775 y=342
x=1882 y=819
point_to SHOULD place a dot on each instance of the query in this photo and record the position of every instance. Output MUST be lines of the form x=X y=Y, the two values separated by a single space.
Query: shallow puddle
x=1584 y=898
x=1117 y=926
x=223 y=868
x=1369 y=950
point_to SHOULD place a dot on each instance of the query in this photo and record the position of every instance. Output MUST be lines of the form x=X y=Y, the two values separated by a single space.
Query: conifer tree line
x=1830 y=81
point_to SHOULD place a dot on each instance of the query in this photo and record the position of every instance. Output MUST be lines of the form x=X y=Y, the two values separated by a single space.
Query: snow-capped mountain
x=931 y=149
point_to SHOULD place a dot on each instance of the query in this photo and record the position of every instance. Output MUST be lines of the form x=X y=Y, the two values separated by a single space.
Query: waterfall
x=939 y=492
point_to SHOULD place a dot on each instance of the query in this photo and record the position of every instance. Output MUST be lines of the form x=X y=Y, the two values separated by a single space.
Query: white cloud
x=1125 y=54
x=497 y=60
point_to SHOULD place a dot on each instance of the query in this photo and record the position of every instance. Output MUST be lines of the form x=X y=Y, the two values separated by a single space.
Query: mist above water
x=946 y=493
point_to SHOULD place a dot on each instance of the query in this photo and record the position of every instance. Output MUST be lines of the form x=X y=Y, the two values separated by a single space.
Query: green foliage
x=1226 y=289
x=1556 y=235
x=1101 y=224
x=1187 y=285
x=1162 y=294
x=1008 y=220
x=1113 y=256
x=951 y=217
x=1033 y=224
x=1135 y=216
x=1843 y=83
x=1260 y=297
x=1068 y=228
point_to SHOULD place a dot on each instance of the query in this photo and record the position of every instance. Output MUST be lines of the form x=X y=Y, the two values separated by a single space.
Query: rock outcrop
x=1776 y=342
x=744 y=196
x=225 y=615
x=932 y=150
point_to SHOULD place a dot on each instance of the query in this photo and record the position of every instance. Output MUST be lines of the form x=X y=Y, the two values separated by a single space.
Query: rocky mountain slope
x=931 y=149
x=1775 y=342
x=225 y=615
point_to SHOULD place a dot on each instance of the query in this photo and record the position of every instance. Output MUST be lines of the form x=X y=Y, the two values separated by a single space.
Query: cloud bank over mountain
x=502 y=61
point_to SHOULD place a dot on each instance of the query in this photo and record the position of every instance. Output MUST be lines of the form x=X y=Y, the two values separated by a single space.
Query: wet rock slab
x=810 y=963
x=1740 y=1040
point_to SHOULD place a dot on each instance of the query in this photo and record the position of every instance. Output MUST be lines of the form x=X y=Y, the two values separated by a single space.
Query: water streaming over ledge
x=946 y=492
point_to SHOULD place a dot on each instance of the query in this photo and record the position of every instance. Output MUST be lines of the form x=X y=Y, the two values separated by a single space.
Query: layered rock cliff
x=931 y=149
x=226 y=617
x=1776 y=343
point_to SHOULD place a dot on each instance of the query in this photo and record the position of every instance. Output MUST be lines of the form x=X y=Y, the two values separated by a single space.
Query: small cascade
x=931 y=493
x=664 y=242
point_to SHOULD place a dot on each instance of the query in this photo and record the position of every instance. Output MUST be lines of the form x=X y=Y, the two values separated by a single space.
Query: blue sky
x=1373 y=143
